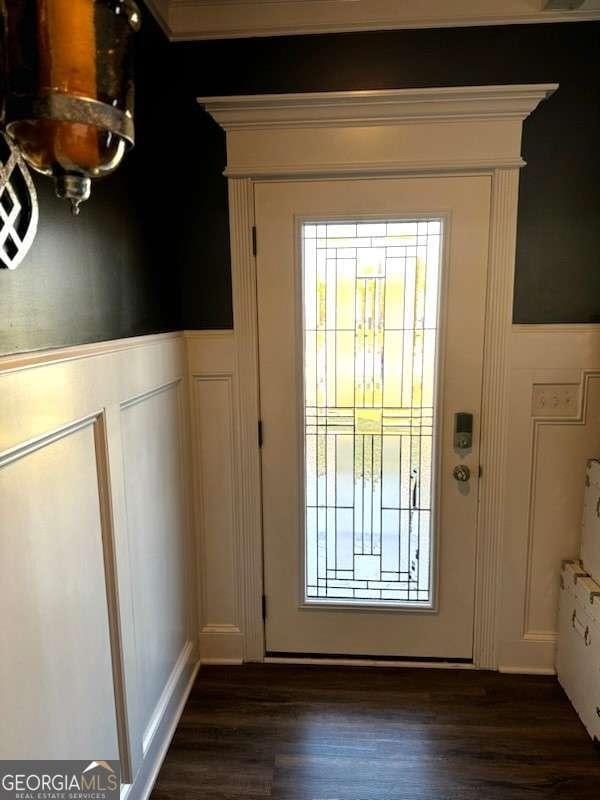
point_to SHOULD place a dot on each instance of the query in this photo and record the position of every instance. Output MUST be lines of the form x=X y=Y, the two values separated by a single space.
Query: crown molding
x=160 y=11
x=226 y=19
x=381 y=107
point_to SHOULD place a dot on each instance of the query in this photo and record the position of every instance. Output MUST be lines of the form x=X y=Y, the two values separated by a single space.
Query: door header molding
x=379 y=107
x=375 y=132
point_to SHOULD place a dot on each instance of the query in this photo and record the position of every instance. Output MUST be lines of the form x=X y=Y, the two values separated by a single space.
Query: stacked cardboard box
x=578 y=654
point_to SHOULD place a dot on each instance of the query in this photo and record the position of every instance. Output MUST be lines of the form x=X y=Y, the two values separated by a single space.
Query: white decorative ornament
x=18 y=206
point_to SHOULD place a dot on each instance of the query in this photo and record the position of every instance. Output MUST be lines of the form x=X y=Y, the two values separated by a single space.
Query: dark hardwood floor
x=331 y=733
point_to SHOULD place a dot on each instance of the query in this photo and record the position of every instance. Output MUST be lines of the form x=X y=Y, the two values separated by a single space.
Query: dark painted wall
x=150 y=251
x=558 y=260
x=104 y=275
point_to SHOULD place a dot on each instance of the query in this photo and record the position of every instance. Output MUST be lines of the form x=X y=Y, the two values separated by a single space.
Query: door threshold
x=345 y=660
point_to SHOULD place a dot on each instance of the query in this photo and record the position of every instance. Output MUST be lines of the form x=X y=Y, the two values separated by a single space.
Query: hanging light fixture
x=69 y=94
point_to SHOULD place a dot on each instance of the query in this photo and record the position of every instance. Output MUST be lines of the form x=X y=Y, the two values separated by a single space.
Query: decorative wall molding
x=37 y=358
x=375 y=107
x=221 y=19
x=243 y=276
x=153 y=444
x=221 y=644
x=545 y=468
x=117 y=645
x=53 y=535
x=214 y=400
x=494 y=411
x=579 y=418
x=403 y=131
x=357 y=169
x=351 y=130
x=140 y=398
x=166 y=696
x=73 y=398
x=146 y=777
x=97 y=422
x=521 y=330
x=26 y=448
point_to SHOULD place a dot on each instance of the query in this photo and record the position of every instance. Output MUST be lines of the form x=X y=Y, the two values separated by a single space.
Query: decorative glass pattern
x=370 y=331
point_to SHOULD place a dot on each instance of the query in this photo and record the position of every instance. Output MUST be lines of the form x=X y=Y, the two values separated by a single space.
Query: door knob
x=461 y=473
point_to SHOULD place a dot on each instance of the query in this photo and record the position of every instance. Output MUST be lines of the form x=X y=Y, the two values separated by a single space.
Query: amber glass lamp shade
x=69 y=105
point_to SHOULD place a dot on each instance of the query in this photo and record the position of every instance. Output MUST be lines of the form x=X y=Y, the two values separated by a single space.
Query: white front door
x=371 y=297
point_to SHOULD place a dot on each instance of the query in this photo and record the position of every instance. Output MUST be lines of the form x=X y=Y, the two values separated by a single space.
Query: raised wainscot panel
x=151 y=426
x=55 y=669
x=560 y=451
x=554 y=429
x=213 y=403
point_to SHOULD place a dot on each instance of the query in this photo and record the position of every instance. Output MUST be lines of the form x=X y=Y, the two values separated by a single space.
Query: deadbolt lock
x=463 y=430
x=461 y=473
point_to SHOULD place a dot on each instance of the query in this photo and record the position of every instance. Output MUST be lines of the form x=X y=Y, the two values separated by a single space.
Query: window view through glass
x=370 y=330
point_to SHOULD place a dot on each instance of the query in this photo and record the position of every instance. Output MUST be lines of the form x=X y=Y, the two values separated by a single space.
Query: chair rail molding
x=220 y=19
x=459 y=131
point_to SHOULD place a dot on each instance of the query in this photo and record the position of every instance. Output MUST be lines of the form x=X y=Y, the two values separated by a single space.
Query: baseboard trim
x=368 y=662
x=532 y=655
x=144 y=781
x=221 y=644
x=166 y=695
x=526 y=670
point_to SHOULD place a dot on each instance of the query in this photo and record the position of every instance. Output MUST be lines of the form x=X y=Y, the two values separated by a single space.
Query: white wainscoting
x=105 y=619
x=54 y=634
x=549 y=443
x=97 y=563
x=547 y=449
x=215 y=429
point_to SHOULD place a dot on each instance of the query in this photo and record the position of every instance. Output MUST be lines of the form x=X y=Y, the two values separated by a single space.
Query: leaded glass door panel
x=371 y=300
x=370 y=318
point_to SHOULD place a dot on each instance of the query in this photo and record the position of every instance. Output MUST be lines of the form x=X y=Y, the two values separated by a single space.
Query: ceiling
x=224 y=19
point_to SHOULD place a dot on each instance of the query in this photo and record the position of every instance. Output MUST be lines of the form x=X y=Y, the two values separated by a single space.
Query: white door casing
x=459 y=131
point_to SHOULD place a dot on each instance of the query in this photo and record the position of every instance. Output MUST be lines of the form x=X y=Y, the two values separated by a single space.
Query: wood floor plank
x=264 y=731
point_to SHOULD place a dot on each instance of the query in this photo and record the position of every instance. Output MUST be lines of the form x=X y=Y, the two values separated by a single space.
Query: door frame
x=369 y=134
